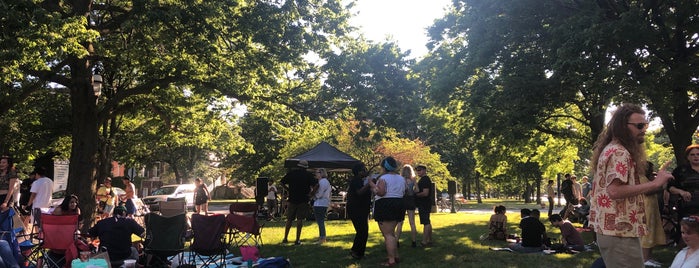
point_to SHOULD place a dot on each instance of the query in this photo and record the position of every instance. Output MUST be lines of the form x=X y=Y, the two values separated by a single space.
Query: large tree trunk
x=83 y=157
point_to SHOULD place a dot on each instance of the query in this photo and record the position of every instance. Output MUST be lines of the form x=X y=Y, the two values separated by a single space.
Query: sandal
x=387 y=264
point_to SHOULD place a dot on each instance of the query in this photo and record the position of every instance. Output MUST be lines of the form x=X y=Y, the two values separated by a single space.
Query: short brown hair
x=689 y=148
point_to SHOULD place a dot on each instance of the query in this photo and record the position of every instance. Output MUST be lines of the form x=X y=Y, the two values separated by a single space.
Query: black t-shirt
x=567 y=191
x=299 y=182
x=357 y=202
x=24 y=193
x=532 y=232
x=424 y=183
x=687 y=179
x=115 y=235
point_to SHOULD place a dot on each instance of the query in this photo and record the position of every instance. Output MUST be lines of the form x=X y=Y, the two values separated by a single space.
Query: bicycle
x=444 y=204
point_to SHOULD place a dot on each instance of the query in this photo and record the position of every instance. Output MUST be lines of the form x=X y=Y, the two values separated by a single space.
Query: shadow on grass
x=456 y=244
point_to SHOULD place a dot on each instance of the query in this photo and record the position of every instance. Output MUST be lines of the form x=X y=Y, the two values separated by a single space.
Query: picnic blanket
x=235 y=261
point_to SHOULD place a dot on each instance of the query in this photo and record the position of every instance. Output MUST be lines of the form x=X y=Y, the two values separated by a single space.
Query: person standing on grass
x=586 y=187
x=656 y=233
x=424 y=204
x=617 y=212
x=321 y=202
x=271 y=199
x=388 y=206
x=41 y=190
x=298 y=183
x=569 y=195
x=551 y=193
x=358 y=204
x=409 y=199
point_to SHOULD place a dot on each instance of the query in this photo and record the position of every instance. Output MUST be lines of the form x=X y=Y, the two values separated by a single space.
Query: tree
x=535 y=58
x=212 y=47
x=374 y=81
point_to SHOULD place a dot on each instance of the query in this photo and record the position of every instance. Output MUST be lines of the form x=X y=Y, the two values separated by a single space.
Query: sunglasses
x=639 y=126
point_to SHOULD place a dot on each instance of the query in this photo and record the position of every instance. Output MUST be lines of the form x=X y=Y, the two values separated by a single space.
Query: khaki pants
x=620 y=251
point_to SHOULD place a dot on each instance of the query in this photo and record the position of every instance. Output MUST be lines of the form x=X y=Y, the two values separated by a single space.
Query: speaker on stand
x=260 y=194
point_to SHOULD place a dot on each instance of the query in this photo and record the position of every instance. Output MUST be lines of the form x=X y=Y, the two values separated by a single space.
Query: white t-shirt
x=43 y=187
x=271 y=192
x=395 y=186
x=322 y=197
x=691 y=262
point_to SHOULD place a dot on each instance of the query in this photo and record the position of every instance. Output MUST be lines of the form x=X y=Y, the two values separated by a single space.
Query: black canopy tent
x=324 y=155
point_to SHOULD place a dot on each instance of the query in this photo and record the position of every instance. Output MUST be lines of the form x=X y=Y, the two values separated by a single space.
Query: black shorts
x=201 y=200
x=389 y=209
x=409 y=202
x=424 y=213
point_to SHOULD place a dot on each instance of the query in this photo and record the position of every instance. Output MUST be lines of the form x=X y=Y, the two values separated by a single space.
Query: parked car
x=170 y=191
x=58 y=196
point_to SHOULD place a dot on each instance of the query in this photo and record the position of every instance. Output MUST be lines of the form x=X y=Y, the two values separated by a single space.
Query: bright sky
x=405 y=20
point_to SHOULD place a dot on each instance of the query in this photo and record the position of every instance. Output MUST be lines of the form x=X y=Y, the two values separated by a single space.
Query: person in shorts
x=389 y=208
x=298 y=182
x=424 y=204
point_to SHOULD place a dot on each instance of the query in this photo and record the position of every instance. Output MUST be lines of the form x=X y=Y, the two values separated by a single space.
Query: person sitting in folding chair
x=115 y=235
x=9 y=248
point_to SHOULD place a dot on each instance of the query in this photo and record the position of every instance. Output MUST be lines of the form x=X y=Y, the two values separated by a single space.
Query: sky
x=405 y=20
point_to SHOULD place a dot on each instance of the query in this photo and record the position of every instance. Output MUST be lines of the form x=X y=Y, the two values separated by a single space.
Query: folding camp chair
x=8 y=232
x=244 y=225
x=209 y=242
x=28 y=240
x=164 y=239
x=57 y=235
x=172 y=208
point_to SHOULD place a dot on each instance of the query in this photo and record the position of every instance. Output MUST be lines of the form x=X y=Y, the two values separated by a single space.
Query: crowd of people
x=392 y=195
x=620 y=203
x=627 y=197
x=115 y=214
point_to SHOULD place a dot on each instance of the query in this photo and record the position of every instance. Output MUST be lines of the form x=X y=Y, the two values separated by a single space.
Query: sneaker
x=285 y=241
x=651 y=263
x=297 y=243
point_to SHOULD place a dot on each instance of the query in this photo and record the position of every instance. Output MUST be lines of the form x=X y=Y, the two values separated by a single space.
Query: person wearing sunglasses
x=617 y=209
x=688 y=256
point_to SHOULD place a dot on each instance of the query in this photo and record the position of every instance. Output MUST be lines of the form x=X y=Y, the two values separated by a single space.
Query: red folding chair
x=58 y=236
x=243 y=224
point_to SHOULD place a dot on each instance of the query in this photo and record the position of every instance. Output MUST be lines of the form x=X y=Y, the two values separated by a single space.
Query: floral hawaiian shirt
x=616 y=217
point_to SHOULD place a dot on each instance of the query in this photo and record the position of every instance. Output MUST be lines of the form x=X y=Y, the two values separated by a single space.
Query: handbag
x=249 y=253
x=17 y=221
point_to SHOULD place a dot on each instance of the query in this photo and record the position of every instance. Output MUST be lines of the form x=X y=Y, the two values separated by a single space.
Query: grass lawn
x=456 y=243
